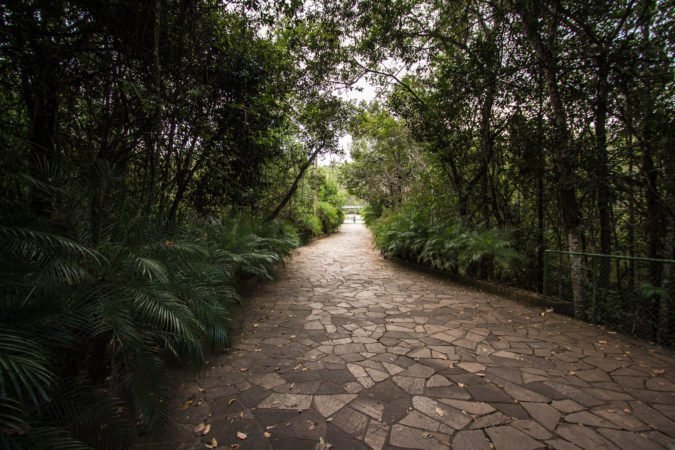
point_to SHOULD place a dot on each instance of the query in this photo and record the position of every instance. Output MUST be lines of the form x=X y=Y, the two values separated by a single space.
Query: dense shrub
x=87 y=331
x=308 y=226
x=331 y=217
x=411 y=235
x=370 y=215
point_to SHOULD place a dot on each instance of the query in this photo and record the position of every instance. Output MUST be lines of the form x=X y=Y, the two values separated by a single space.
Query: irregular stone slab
x=366 y=382
x=376 y=435
x=376 y=375
x=621 y=418
x=286 y=401
x=508 y=438
x=418 y=420
x=567 y=406
x=327 y=405
x=405 y=437
x=475 y=408
x=313 y=326
x=444 y=414
x=488 y=393
x=532 y=428
x=625 y=439
x=652 y=418
x=351 y=422
x=411 y=385
x=584 y=437
x=543 y=413
x=513 y=410
x=268 y=381
x=303 y=426
x=520 y=393
x=369 y=407
x=574 y=393
x=491 y=420
x=393 y=369
x=470 y=440
x=420 y=353
x=586 y=418
x=471 y=367
x=560 y=444
x=438 y=381
x=418 y=371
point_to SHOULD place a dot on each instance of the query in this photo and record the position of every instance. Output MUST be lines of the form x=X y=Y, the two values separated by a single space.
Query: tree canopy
x=158 y=153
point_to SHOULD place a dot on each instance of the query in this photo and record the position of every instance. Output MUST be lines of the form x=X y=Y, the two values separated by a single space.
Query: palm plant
x=88 y=329
x=489 y=251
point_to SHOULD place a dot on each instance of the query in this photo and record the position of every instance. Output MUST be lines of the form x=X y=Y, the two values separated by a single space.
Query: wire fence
x=630 y=294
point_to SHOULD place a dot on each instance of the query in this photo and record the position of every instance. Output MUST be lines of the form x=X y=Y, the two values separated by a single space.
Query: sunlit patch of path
x=354 y=351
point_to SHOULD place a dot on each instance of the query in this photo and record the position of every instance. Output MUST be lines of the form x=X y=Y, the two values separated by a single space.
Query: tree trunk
x=153 y=145
x=40 y=95
x=294 y=186
x=602 y=174
x=665 y=321
x=564 y=156
x=541 y=238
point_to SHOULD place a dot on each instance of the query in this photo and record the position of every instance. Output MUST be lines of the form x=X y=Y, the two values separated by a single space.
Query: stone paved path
x=353 y=351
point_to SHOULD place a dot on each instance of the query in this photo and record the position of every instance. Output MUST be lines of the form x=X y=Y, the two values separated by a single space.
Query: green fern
x=100 y=325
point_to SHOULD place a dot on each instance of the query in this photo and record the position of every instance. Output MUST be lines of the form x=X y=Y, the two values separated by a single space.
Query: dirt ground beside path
x=352 y=351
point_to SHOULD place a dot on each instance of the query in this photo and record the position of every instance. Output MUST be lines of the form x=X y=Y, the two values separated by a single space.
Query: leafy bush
x=308 y=226
x=370 y=215
x=331 y=217
x=87 y=330
x=410 y=235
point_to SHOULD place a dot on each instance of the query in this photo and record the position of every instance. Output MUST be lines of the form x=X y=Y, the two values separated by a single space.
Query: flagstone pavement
x=350 y=351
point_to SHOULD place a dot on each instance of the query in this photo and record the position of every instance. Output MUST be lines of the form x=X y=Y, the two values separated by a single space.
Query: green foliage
x=384 y=159
x=331 y=217
x=308 y=226
x=650 y=292
x=88 y=332
x=410 y=234
x=370 y=214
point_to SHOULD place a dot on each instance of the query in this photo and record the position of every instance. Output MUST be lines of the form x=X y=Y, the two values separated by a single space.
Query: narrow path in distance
x=354 y=351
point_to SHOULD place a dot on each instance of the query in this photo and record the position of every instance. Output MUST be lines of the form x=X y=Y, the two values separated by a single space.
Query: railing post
x=543 y=285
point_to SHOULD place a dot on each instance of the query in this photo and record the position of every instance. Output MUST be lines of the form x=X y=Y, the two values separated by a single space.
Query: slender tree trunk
x=602 y=174
x=41 y=99
x=541 y=247
x=156 y=121
x=565 y=153
x=666 y=315
x=315 y=187
x=631 y=218
x=486 y=149
x=295 y=184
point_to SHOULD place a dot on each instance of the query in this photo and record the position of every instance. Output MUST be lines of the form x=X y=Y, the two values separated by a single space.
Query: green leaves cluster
x=550 y=118
x=447 y=246
x=88 y=332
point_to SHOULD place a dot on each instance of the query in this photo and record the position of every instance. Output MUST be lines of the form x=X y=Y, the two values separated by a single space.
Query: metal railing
x=628 y=293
